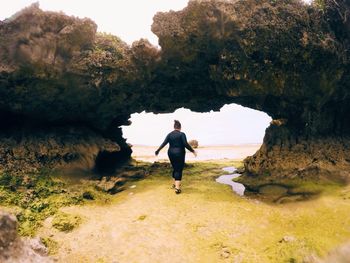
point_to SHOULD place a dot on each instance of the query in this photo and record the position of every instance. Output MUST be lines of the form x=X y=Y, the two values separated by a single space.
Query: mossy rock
x=66 y=222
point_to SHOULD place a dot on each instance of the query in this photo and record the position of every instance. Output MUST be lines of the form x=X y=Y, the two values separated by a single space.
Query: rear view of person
x=176 y=152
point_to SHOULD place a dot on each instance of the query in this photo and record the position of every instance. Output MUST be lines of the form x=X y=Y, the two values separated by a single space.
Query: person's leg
x=177 y=177
x=178 y=180
x=178 y=172
x=172 y=161
x=178 y=184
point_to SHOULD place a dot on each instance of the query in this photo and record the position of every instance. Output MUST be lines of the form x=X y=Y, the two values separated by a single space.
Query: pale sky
x=233 y=124
x=128 y=19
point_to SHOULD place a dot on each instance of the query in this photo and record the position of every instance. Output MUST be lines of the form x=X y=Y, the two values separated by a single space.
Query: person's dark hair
x=177 y=124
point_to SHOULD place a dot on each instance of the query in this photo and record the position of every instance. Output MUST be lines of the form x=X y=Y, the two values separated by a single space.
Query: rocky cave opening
x=106 y=163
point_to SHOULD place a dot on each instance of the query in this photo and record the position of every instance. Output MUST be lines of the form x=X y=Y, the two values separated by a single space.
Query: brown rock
x=8 y=230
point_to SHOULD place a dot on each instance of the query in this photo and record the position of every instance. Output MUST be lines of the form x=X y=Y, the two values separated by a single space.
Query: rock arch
x=285 y=58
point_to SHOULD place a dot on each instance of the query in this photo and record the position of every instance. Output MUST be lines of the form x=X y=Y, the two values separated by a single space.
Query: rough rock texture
x=8 y=226
x=57 y=86
x=16 y=250
x=286 y=58
x=315 y=141
x=26 y=151
x=57 y=69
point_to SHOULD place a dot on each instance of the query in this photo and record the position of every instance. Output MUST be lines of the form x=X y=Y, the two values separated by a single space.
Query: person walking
x=176 y=153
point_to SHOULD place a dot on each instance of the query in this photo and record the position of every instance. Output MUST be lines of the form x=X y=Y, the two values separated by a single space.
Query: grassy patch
x=51 y=245
x=66 y=222
x=314 y=226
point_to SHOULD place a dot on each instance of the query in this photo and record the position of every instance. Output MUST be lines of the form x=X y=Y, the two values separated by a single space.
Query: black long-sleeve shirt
x=177 y=141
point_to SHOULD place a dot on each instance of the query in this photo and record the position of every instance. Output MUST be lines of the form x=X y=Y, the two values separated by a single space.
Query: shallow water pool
x=227 y=179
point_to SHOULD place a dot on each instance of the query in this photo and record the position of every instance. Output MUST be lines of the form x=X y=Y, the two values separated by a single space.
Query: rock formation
x=13 y=249
x=286 y=58
x=57 y=99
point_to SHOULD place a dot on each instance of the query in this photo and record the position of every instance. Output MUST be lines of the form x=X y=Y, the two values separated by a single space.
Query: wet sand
x=205 y=153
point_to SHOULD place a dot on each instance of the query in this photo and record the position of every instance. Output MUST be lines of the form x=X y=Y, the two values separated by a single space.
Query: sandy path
x=206 y=223
x=148 y=224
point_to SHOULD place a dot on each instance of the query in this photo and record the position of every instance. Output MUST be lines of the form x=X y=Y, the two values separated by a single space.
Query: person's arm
x=184 y=140
x=162 y=145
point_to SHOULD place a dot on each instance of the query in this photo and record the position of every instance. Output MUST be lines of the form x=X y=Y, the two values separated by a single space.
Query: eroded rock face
x=286 y=58
x=26 y=151
x=286 y=154
x=45 y=39
x=62 y=88
x=54 y=69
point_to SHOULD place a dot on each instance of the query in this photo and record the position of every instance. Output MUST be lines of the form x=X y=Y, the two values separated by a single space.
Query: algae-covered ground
x=35 y=197
x=148 y=222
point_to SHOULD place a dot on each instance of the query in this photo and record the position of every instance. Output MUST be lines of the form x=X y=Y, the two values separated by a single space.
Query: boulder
x=111 y=185
x=14 y=249
x=8 y=230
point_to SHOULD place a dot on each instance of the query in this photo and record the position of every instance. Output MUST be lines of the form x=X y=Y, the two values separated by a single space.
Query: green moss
x=66 y=222
x=320 y=4
x=316 y=226
x=258 y=229
x=251 y=230
x=51 y=245
x=41 y=195
x=294 y=185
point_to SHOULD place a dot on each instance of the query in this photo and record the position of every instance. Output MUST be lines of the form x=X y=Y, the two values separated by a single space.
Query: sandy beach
x=205 y=153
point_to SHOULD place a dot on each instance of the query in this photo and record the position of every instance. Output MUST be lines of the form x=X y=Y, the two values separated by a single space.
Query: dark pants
x=177 y=160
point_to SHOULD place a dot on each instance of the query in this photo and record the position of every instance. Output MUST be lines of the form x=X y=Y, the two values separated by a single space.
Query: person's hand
x=195 y=153
x=156 y=153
